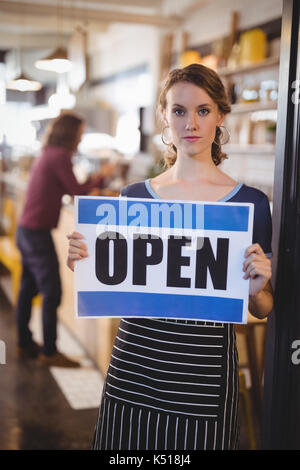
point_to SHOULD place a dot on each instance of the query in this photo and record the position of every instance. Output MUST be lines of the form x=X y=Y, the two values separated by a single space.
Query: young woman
x=173 y=384
x=51 y=177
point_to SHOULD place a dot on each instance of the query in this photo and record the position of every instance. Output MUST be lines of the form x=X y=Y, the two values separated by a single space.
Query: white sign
x=159 y=258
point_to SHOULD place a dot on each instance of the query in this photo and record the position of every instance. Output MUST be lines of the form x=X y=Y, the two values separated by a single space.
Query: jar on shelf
x=250 y=94
x=253 y=46
x=268 y=90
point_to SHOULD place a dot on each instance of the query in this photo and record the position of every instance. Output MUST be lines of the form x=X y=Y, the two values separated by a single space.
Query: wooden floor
x=35 y=415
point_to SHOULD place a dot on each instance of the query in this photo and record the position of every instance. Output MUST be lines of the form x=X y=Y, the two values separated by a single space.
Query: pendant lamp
x=23 y=83
x=57 y=61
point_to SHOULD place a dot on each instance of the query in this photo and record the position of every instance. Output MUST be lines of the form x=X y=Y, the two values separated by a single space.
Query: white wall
x=122 y=48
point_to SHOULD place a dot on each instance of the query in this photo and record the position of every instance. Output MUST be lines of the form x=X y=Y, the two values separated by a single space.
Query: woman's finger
x=257 y=269
x=259 y=265
x=74 y=235
x=263 y=263
x=250 y=259
x=255 y=248
x=75 y=250
x=74 y=256
x=254 y=258
x=77 y=243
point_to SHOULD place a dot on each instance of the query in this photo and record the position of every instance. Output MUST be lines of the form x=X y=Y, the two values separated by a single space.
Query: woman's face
x=192 y=117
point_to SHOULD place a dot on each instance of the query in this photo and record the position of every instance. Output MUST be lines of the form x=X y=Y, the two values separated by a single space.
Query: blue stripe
x=233 y=218
x=150 y=190
x=232 y=193
x=223 y=199
x=137 y=304
x=138 y=212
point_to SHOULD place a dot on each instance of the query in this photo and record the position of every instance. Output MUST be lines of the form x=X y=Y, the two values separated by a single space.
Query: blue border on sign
x=141 y=304
x=138 y=212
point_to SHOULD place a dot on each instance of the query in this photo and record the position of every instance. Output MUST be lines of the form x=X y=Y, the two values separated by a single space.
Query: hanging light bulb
x=57 y=61
x=23 y=83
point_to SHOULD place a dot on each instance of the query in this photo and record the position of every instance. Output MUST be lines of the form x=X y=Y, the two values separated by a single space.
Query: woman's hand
x=77 y=249
x=257 y=267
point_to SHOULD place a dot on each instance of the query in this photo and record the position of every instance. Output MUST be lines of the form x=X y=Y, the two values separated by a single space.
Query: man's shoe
x=57 y=360
x=31 y=351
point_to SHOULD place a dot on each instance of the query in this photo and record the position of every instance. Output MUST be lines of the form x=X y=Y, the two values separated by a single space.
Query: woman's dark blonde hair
x=209 y=81
x=64 y=131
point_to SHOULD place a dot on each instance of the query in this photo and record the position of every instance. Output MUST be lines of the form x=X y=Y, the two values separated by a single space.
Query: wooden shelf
x=269 y=62
x=253 y=107
x=266 y=149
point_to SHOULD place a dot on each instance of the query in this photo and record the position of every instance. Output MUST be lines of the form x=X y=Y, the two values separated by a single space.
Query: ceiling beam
x=128 y=3
x=33 y=41
x=103 y=16
x=20 y=25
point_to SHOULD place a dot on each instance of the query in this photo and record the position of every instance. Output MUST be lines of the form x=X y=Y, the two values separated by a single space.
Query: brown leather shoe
x=29 y=352
x=57 y=360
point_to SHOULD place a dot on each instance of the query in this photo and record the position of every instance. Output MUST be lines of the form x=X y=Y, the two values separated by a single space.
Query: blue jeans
x=40 y=274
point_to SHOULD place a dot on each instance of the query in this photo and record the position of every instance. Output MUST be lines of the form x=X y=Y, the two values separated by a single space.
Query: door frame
x=281 y=404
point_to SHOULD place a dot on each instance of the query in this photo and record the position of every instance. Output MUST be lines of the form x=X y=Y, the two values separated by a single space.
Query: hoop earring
x=162 y=136
x=228 y=135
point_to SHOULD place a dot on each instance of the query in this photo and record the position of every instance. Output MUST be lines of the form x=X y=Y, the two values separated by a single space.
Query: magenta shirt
x=51 y=177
